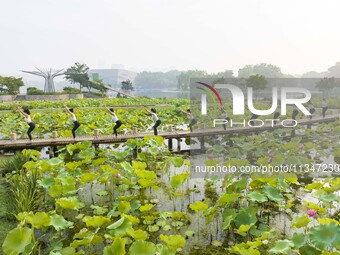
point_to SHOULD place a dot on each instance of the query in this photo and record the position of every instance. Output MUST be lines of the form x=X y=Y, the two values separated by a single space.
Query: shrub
x=70 y=90
x=24 y=191
x=13 y=164
x=34 y=91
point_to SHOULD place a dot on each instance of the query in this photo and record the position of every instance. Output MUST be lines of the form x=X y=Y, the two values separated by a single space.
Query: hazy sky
x=214 y=35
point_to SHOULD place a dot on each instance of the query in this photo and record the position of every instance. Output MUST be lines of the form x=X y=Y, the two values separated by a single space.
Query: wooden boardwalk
x=108 y=139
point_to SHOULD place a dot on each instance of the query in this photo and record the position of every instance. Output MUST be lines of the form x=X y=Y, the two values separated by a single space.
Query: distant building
x=113 y=77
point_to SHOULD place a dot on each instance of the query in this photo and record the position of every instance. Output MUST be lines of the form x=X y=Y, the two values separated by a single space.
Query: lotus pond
x=113 y=201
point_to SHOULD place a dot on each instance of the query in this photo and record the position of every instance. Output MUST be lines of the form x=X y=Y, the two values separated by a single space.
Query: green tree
x=225 y=74
x=127 y=85
x=183 y=80
x=78 y=74
x=327 y=83
x=257 y=82
x=267 y=70
x=10 y=85
x=98 y=85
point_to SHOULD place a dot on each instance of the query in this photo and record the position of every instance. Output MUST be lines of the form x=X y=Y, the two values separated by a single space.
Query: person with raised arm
x=26 y=113
x=193 y=121
x=153 y=113
x=76 y=124
x=115 y=119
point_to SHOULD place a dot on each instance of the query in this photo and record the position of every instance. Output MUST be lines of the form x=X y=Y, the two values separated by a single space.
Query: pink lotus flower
x=301 y=147
x=118 y=176
x=211 y=156
x=271 y=155
x=311 y=213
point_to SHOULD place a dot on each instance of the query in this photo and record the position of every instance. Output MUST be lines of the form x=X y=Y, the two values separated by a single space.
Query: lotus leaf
x=116 y=248
x=16 y=240
x=140 y=247
x=173 y=241
x=198 y=206
x=59 y=222
x=282 y=247
x=257 y=196
x=325 y=236
x=301 y=221
x=272 y=193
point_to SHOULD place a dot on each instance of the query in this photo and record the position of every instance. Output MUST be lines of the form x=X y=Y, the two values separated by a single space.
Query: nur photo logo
x=278 y=100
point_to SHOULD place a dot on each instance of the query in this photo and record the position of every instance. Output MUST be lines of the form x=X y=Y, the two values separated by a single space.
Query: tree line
x=254 y=76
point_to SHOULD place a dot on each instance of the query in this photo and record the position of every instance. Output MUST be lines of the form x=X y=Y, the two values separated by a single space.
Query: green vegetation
x=39 y=104
x=106 y=200
x=10 y=85
x=257 y=82
x=327 y=83
x=34 y=91
x=78 y=74
x=127 y=85
x=51 y=119
x=70 y=90
x=66 y=90
x=266 y=70
x=6 y=218
x=12 y=164
x=139 y=198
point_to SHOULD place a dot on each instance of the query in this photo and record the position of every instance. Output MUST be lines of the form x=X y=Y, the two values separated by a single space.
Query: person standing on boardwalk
x=311 y=109
x=153 y=113
x=252 y=118
x=324 y=107
x=28 y=120
x=115 y=120
x=76 y=124
x=226 y=118
x=295 y=112
x=276 y=116
x=193 y=121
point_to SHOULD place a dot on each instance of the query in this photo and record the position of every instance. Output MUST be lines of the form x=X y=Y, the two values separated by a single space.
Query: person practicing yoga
x=311 y=109
x=76 y=124
x=295 y=112
x=153 y=113
x=324 y=107
x=252 y=118
x=193 y=121
x=115 y=120
x=226 y=118
x=276 y=116
x=26 y=113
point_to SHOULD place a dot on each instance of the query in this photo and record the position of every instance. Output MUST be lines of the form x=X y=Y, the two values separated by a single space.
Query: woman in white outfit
x=28 y=120
x=76 y=124
x=193 y=121
x=115 y=120
x=153 y=113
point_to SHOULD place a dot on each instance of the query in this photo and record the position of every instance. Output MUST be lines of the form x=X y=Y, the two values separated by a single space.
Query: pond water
x=194 y=190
